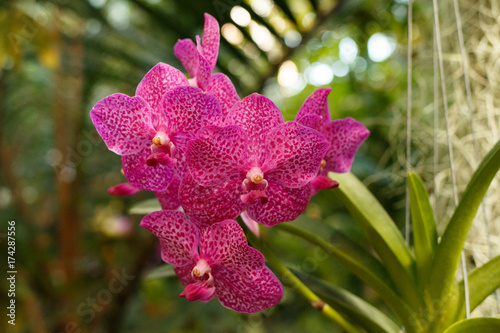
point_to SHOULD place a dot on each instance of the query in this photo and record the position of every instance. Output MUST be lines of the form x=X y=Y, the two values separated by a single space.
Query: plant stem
x=290 y=280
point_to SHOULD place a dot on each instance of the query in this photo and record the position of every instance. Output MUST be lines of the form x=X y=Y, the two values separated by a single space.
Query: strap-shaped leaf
x=163 y=271
x=383 y=234
x=483 y=281
x=145 y=207
x=483 y=325
x=424 y=226
x=361 y=263
x=355 y=308
x=442 y=275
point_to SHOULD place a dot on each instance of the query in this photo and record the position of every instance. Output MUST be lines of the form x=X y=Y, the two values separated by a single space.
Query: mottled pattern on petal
x=184 y=273
x=218 y=153
x=203 y=75
x=123 y=189
x=285 y=204
x=317 y=104
x=181 y=141
x=178 y=237
x=160 y=79
x=185 y=50
x=124 y=123
x=293 y=154
x=345 y=136
x=221 y=87
x=145 y=177
x=313 y=121
x=257 y=115
x=210 y=204
x=247 y=293
x=189 y=109
x=210 y=40
x=169 y=199
x=221 y=243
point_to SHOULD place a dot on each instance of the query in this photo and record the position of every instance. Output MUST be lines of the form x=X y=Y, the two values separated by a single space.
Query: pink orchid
x=150 y=129
x=345 y=135
x=200 y=60
x=215 y=262
x=257 y=161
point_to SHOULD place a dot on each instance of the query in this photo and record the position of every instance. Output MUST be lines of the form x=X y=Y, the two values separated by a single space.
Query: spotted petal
x=185 y=50
x=221 y=87
x=204 y=70
x=160 y=79
x=145 y=177
x=209 y=204
x=317 y=104
x=178 y=236
x=285 y=204
x=188 y=109
x=257 y=115
x=123 y=122
x=217 y=154
x=169 y=199
x=345 y=136
x=293 y=154
x=210 y=40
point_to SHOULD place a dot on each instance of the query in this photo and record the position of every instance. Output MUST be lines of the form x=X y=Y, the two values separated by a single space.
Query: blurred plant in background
x=73 y=240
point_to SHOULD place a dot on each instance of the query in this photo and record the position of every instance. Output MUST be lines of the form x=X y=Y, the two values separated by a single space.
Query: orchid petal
x=123 y=189
x=285 y=204
x=189 y=108
x=203 y=76
x=178 y=236
x=316 y=103
x=145 y=177
x=185 y=50
x=169 y=199
x=209 y=204
x=322 y=183
x=221 y=241
x=218 y=153
x=313 y=121
x=257 y=115
x=123 y=122
x=293 y=154
x=221 y=87
x=210 y=40
x=345 y=135
x=160 y=79
x=250 y=223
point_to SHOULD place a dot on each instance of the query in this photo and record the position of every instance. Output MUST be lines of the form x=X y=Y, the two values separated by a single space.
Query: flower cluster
x=204 y=150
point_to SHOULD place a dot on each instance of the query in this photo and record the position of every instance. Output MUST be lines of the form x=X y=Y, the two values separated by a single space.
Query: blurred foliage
x=59 y=57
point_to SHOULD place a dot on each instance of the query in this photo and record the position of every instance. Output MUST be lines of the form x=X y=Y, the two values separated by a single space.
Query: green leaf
x=483 y=325
x=361 y=263
x=424 y=226
x=483 y=281
x=145 y=207
x=442 y=275
x=383 y=234
x=355 y=308
x=163 y=271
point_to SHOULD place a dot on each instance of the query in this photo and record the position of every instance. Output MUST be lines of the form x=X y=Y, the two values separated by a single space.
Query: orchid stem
x=291 y=281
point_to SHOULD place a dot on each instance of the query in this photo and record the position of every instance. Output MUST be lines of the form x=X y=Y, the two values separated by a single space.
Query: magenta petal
x=184 y=273
x=285 y=204
x=185 y=50
x=313 y=121
x=322 y=183
x=169 y=199
x=160 y=79
x=257 y=115
x=345 y=136
x=293 y=154
x=210 y=204
x=210 y=40
x=221 y=87
x=145 y=177
x=178 y=236
x=221 y=242
x=317 y=104
x=250 y=223
x=189 y=108
x=123 y=122
x=218 y=153
x=203 y=75
x=123 y=189
x=247 y=293
x=198 y=291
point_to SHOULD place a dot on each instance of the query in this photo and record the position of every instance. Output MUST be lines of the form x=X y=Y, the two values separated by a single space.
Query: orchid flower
x=215 y=261
x=257 y=161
